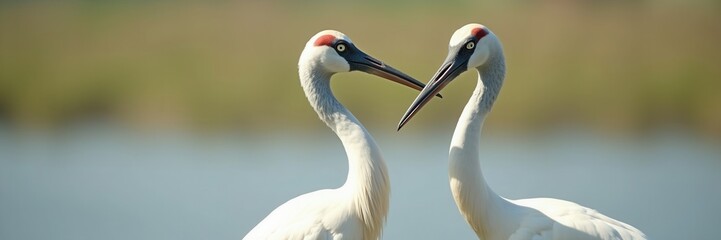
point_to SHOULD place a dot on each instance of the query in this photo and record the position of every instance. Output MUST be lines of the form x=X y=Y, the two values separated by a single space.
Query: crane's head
x=470 y=47
x=333 y=52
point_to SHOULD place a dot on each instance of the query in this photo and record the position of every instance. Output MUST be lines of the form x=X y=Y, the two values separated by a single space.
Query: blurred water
x=109 y=184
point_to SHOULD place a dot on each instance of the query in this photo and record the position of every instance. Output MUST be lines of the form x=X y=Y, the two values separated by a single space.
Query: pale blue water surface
x=105 y=183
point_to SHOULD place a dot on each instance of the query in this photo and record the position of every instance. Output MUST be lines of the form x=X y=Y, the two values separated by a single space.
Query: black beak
x=453 y=66
x=361 y=61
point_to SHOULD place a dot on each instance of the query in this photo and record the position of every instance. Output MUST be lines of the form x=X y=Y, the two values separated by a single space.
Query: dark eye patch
x=345 y=49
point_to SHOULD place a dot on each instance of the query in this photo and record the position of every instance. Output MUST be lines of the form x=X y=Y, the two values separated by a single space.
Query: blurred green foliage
x=626 y=66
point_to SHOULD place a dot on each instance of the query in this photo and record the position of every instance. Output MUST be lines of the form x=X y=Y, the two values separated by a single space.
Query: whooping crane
x=356 y=210
x=491 y=216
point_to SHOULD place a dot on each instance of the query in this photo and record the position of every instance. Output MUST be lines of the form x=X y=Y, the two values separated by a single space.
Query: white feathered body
x=357 y=209
x=315 y=215
x=491 y=216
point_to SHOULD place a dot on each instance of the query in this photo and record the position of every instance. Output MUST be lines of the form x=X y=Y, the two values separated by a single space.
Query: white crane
x=356 y=210
x=490 y=215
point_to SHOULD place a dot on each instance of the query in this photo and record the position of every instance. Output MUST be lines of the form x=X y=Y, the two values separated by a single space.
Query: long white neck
x=367 y=184
x=480 y=206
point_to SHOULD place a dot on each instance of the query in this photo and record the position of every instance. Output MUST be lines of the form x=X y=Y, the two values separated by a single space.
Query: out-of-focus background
x=186 y=120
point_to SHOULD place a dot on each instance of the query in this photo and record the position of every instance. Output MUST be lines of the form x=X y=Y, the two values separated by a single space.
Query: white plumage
x=491 y=216
x=357 y=209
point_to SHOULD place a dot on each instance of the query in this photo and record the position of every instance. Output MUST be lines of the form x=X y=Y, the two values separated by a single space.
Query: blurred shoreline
x=632 y=67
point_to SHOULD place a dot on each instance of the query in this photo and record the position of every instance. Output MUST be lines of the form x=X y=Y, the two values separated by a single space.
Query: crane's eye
x=470 y=45
x=340 y=47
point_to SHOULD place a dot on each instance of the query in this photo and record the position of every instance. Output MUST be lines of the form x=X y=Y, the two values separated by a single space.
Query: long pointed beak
x=364 y=62
x=449 y=70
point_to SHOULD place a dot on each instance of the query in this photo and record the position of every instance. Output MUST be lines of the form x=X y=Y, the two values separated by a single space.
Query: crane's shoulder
x=309 y=216
x=307 y=230
x=560 y=219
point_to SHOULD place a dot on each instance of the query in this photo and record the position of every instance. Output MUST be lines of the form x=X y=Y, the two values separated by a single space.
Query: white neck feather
x=480 y=206
x=367 y=184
